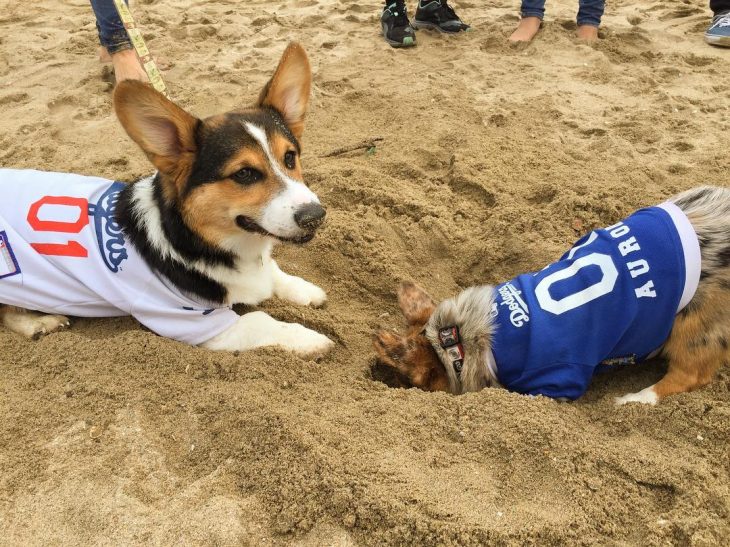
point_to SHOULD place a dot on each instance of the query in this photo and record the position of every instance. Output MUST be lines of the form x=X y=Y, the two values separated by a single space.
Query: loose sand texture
x=494 y=160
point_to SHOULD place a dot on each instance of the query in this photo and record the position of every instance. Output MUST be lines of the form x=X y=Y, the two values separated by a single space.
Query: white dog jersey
x=62 y=252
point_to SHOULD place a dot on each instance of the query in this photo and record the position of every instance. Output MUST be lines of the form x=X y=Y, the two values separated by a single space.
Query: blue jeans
x=589 y=11
x=112 y=34
x=720 y=6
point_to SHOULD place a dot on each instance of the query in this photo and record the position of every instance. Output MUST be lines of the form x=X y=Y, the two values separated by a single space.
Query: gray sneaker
x=719 y=32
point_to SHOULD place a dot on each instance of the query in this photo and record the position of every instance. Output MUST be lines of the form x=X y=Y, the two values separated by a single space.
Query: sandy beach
x=494 y=159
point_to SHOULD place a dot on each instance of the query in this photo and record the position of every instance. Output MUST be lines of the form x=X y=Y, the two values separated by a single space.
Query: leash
x=145 y=57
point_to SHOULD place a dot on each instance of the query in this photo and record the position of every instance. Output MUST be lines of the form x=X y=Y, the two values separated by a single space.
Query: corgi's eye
x=247 y=175
x=290 y=159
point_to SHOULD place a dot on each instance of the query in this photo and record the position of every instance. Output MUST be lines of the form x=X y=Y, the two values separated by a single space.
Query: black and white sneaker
x=397 y=29
x=438 y=15
x=719 y=32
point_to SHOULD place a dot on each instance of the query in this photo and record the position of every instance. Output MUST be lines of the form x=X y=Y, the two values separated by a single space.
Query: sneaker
x=438 y=15
x=397 y=28
x=719 y=32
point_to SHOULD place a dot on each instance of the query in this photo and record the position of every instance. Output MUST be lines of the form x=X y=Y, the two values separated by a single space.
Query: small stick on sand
x=366 y=144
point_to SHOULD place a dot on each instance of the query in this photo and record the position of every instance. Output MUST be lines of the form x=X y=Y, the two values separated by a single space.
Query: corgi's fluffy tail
x=708 y=209
x=698 y=344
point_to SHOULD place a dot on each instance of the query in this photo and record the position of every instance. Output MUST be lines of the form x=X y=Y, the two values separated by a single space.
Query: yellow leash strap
x=145 y=57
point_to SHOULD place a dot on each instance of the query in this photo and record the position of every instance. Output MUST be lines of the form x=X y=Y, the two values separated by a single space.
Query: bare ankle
x=587 y=33
x=104 y=56
x=526 y=29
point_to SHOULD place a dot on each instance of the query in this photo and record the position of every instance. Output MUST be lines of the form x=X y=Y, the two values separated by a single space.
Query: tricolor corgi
x=656 y=283
x=177 y=249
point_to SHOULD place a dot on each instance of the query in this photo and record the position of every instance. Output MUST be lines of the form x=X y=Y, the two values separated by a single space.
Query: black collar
x=450 y=341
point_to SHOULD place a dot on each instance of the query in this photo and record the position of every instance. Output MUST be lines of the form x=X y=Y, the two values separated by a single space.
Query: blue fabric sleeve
x=560 y=380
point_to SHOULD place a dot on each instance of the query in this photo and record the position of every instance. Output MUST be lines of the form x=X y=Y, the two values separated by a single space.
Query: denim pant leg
x=720 y=6
x=590 y=12
x=533 y=8
x=112 y=34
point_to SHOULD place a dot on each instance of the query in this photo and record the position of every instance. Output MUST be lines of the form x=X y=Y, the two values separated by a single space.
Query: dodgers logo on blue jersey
x=8 y=263
x=108 y=231
x=519 y=313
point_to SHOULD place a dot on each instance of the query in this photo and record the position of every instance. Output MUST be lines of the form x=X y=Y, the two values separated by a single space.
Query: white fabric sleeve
x=691 y=249
x=175 y=316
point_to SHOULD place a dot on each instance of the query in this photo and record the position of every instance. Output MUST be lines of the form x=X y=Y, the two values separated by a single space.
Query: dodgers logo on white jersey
x=108 y=231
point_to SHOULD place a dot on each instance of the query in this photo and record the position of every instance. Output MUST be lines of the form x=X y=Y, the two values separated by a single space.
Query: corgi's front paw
x=304 y=341
x=646 y=396
x=258 y=329
x=301 y=292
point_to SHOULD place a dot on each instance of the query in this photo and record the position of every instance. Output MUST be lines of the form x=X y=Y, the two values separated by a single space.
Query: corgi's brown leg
x=696 y=348
x=31 y=324
x=687 y=373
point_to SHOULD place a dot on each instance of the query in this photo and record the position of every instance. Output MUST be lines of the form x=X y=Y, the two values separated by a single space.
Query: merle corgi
x=656 y=283
x=176 y=249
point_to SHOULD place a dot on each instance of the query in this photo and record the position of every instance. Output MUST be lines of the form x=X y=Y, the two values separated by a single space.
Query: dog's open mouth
x=248 y=224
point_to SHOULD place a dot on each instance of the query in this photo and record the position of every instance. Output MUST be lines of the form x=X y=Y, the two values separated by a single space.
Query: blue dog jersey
x=612 y=298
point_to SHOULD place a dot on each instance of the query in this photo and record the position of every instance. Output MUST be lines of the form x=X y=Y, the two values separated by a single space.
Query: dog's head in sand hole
x=409 y=360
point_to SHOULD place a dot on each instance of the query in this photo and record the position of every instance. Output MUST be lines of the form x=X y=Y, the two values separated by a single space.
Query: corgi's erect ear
x=416 y=305
x=162 y=129
x=289 y=88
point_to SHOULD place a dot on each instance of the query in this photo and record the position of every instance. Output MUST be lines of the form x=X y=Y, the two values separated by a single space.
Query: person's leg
x=718 y=34
x=115 y=43
x=720 y=7
x=532 y=12
x=397 y=29
x=589 y=18
x=112 y=34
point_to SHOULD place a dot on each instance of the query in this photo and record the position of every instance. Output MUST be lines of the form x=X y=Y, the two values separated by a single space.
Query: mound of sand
x=494 y=159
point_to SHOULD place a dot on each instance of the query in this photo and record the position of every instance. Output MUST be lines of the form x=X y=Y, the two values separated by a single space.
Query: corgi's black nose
x=310 y=216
